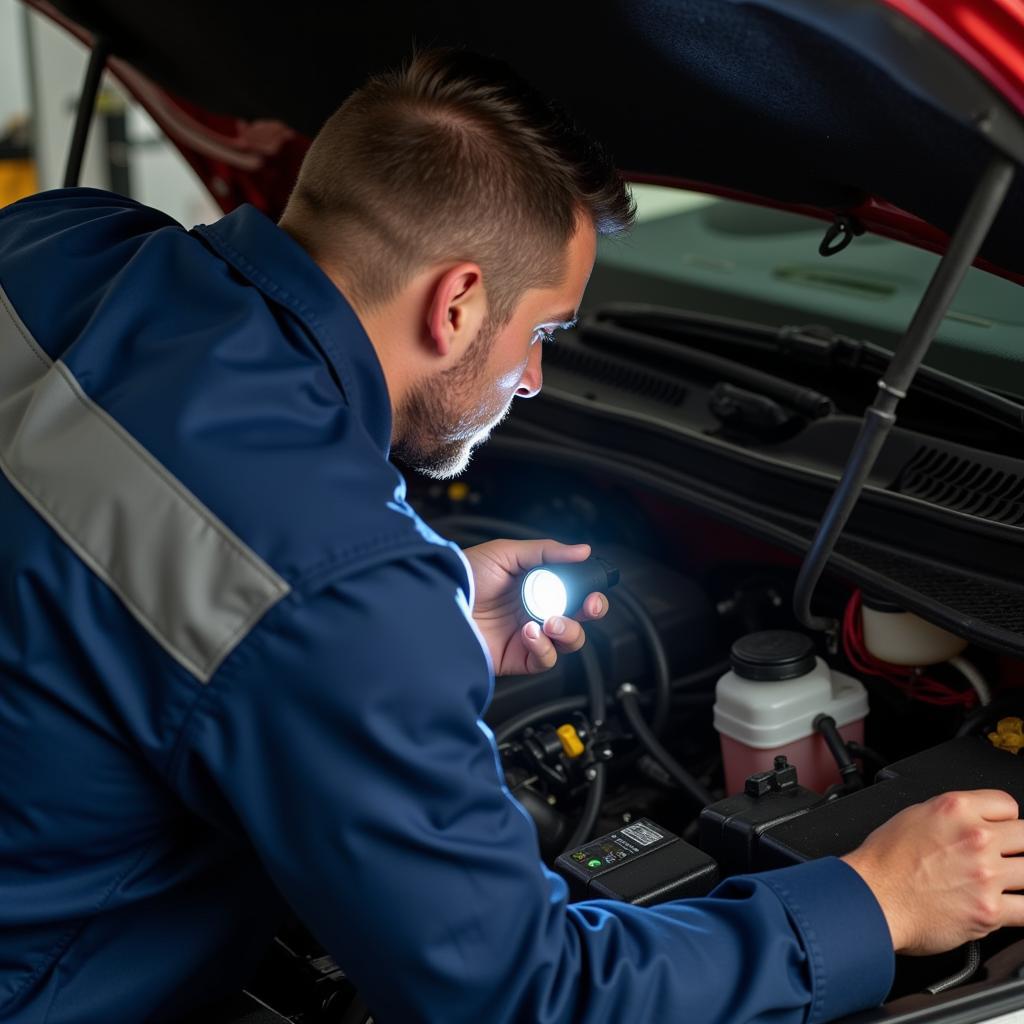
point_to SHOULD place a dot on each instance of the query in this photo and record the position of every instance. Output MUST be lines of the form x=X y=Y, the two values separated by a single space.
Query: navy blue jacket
x=238 y=671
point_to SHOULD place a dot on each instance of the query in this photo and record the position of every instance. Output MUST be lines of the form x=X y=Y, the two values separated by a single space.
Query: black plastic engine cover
x=838 y=827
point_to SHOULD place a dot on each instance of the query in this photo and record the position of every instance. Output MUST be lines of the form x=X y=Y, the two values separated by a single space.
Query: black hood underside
x=816 y=102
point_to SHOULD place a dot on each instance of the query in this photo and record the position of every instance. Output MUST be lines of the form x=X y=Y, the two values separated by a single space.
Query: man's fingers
x=995 y=805
x=1012 y=874
x=595 y=606
x=528 y=553
x=544 y=644
x=1009 y=837
x=988 y=804
x=540 y=651
x=551 y=552
x=1012 y=911
x=566 y=634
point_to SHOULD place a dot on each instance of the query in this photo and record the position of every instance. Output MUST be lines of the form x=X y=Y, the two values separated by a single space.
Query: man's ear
x=456 y=309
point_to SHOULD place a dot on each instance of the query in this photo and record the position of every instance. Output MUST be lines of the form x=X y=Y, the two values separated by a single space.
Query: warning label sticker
x=641 y=834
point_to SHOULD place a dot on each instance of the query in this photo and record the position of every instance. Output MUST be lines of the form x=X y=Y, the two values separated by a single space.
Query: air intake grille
x=987 y=602
x=616 y=373
x=964 y=485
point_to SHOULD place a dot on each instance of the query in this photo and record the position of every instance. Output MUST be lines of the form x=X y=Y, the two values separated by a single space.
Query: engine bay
x=703 y=732
x=693 y=590
x=695 y=597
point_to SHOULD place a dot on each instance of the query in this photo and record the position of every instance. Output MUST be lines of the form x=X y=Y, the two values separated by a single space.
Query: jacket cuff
x=849 y=948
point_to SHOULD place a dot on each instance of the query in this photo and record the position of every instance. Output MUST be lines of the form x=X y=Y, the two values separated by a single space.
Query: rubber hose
x=553 y=709
x=659 y=659
x=985 y=714
x=696 y=680
x=867 y=754
x=591 y=809
x=829 y=731
x=629 y=701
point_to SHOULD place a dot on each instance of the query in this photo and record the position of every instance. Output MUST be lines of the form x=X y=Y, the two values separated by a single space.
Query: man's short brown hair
x=452 y=158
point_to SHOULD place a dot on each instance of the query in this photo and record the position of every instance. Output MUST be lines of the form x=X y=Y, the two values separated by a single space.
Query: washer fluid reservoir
x=767 y=703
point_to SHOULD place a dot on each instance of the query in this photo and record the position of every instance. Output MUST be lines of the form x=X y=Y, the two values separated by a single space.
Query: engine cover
x=799 y=833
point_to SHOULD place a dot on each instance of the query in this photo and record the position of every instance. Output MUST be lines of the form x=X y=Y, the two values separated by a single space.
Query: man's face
x=442 y=420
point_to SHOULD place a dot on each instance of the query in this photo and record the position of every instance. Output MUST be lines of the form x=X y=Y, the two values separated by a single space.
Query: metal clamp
x=890 y=390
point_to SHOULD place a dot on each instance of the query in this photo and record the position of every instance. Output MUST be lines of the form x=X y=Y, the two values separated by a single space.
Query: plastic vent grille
x=617 y=374
x=961 y=484
x=988 y=603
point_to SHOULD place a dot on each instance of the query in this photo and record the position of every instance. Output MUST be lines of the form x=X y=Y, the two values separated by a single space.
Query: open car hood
x=885 y=111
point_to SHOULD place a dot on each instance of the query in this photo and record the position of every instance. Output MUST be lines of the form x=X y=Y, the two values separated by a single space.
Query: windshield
x=710 y=255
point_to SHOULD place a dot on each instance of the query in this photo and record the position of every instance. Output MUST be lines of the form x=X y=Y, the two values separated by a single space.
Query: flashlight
x=561 y=589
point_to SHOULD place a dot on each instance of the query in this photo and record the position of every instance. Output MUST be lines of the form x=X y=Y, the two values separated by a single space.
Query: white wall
x=14 y=98
x=162 y=178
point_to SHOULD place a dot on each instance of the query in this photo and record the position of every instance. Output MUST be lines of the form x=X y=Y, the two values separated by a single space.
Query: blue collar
x=276 y=264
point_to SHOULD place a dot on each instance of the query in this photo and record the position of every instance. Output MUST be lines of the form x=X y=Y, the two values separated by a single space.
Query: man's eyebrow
x=562 y=320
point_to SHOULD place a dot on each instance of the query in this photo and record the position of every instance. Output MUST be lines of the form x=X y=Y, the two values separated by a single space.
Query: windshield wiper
x=806 y=401
x=813 y=345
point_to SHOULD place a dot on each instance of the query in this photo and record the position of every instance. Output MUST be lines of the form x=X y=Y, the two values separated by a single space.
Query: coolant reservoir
x=902 y=638
x=767 y=704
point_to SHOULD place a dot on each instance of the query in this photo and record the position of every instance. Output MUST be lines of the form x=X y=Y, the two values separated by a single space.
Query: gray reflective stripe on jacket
x=186 y=578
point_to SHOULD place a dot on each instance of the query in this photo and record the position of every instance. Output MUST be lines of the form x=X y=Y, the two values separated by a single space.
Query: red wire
x=910 y=681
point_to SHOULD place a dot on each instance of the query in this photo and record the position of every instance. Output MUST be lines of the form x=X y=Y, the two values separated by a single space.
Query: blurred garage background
x=41 y=71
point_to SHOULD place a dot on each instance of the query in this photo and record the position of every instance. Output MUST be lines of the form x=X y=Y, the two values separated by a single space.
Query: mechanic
x=237 y=671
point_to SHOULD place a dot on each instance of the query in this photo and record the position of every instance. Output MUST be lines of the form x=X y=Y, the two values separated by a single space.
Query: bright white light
x=544 y=594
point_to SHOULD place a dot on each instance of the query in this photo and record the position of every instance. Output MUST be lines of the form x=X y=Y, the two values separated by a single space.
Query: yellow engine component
x=1009 y=735
x=571 y=742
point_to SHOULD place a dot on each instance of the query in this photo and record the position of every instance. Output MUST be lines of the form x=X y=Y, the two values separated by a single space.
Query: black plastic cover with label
x=640 y=863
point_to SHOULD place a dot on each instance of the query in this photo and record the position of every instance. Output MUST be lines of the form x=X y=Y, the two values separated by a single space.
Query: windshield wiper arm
x=812 y=344
x=808 y=402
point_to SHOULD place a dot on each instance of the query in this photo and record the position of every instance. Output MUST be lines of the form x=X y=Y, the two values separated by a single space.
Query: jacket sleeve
x=344 y=737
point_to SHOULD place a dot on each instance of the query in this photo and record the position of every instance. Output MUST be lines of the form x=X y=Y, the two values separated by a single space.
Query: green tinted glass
x=734 y=259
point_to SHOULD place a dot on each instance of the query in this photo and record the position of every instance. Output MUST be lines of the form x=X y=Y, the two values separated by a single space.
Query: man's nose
x=533 y=377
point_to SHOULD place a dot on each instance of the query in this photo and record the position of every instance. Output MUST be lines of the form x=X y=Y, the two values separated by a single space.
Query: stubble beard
x=440 y=422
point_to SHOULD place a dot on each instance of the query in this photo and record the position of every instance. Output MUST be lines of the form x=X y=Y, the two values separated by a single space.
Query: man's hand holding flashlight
x=518 y=644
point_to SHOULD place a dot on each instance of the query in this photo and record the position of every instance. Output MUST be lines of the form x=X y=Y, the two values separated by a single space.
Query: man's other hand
x=945 y=871
x=518 y=645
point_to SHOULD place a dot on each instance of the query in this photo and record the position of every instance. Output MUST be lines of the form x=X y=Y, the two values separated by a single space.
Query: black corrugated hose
x=964 y=974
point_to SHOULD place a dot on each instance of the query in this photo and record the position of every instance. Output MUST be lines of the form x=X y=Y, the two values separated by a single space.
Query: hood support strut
x=86 y=106
x=879 y=418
